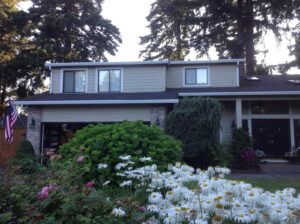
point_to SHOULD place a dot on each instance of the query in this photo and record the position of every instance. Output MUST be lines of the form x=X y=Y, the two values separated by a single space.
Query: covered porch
x=272 y=122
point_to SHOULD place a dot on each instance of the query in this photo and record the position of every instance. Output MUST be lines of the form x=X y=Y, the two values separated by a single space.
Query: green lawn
x=273 y=184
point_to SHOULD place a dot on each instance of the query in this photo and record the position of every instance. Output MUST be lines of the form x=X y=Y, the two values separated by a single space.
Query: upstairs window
x=109 y=80
x=196 y=76
x=74 y=82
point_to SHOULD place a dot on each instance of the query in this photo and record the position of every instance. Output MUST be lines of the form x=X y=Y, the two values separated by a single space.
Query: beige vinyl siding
x=56 y=79
x=175 y=77
x=228 y=115
x=220 y=76
x=144 y=79
x=223 y=75
x=96 y=113
x=91 y=80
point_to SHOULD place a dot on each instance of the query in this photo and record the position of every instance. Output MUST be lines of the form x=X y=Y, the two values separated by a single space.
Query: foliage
x=223 y=157
x=50 y=30
x=233 y=28
x=73 y=30
x=241 y=149
x=167 y=22
x=196 y=122
x=25 y=160
x=103 y=144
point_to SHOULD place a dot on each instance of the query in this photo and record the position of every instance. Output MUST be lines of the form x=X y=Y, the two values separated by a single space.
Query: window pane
x=80 y=81
x=115 y=80
x=201 y=76
x=103 y=81
x=69 y=81
x=190 y=76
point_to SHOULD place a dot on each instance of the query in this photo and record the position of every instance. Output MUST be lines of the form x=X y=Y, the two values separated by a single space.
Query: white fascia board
x=261 y=93
x=220 y=61
x=96 y=102
x=87 y=64
x=136 y=63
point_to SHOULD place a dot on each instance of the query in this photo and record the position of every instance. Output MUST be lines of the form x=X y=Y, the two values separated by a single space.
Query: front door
x=271 y=136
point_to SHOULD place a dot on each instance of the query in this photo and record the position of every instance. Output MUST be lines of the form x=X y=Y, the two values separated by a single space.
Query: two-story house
x=104 y=92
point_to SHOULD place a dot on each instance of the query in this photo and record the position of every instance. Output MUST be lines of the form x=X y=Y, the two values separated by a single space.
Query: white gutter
x=95 y=102
x=262 y=93
x=133 y=63
x=87 y=64
x=220 y=61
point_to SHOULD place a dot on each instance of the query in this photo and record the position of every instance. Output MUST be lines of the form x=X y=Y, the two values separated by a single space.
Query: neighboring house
x=105 y=92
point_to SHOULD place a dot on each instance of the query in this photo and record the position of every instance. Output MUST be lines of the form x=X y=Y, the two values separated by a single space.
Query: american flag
x=10 y=118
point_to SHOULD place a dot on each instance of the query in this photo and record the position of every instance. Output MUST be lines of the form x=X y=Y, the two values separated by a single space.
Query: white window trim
x=73 y=69
x=108 y=68
x=196 y=85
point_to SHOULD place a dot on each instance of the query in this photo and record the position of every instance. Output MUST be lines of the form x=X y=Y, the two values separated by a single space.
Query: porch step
x=270 y=160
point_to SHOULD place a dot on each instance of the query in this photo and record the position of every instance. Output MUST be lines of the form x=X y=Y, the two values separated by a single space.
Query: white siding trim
x=50 y=80
x=61 y=89
x=238 y=74
x=197 y=85
x=90 y=102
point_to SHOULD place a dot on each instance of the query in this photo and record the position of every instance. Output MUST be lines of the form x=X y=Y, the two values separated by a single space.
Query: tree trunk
x=249 y=38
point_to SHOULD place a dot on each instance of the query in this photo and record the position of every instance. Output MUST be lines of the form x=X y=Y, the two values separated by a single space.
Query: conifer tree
x=73 y=30
x=233 y=27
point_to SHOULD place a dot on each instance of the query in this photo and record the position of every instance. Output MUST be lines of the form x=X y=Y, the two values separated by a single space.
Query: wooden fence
x=8 y=151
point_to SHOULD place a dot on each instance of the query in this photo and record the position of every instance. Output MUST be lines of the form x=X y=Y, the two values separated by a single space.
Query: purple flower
x=90 y=184
x=80 y=159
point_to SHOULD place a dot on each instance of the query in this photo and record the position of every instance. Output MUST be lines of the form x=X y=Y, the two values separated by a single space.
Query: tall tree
x=169 y=31
x=295 y=47
x=233 y=27
x=12 y=41
x=73 y=30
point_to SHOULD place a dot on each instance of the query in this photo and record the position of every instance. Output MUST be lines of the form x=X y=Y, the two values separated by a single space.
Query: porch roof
x=100 y=98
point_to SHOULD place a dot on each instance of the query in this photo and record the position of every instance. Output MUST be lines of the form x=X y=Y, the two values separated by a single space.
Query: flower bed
x=185 y=195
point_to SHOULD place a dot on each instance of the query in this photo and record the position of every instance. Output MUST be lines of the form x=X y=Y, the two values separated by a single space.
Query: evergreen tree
x=12 y=42
x=169 y=31
x=233 y=27
x=73 y=30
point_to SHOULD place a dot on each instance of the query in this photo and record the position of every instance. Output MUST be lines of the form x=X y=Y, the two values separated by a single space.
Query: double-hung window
x=109 y=80
x=196 y=76
x=74 y=81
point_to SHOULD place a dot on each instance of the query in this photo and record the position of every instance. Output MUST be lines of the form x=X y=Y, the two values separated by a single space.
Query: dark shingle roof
x=267 y=84
x=102 y=96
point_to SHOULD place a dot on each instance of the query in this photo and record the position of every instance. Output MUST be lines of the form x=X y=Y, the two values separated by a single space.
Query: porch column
x=238 y=112
x=292 y=133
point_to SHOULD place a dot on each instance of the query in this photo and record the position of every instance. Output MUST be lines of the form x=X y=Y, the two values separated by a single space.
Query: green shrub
x=196 y=122
x=241 y=149
x=106 y=143
x=25 y=160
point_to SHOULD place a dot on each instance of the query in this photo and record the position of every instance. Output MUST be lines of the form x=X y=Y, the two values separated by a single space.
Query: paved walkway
x=271 y=171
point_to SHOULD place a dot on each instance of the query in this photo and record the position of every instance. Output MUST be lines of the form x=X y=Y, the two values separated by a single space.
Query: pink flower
x=142 y=209
x=90 y=184
x=80 y=159
x=44 y=193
